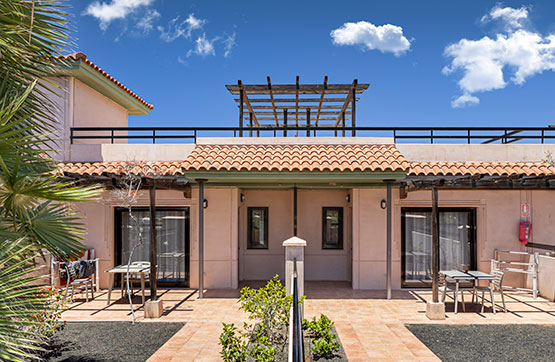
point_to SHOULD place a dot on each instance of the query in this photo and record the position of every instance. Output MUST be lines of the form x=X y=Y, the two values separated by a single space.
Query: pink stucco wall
x=319 y=264
x=498 y=217
x=227 y=260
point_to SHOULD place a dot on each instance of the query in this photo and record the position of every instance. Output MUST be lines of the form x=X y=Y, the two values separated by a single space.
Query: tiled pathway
x=370 y=327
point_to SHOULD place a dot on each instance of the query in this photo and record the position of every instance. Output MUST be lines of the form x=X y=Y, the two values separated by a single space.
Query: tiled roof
x=481 y=168
x=117 y=168
x=290 y=157
x=82 y=56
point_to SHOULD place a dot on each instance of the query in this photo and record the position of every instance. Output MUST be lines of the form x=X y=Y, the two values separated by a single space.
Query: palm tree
x=35 y=215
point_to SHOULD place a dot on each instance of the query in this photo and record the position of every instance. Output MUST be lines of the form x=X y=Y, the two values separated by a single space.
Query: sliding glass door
x=172 y=241
x=457 y=242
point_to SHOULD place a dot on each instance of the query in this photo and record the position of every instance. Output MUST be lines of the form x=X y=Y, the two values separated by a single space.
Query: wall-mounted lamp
x=242 y=197
x=383 y=204
x=205 y=203
x=348 y=198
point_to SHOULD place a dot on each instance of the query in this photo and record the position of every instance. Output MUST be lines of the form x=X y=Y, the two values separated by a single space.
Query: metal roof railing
x=430 y=135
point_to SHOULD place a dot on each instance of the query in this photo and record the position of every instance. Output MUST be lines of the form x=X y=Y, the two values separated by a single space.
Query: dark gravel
x=109 y=341
x=502 y=342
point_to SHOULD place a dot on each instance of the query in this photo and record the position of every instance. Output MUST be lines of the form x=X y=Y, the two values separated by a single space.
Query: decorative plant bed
x=498 y=342
x=338 y=356
x=266 y=338
x=109 y=341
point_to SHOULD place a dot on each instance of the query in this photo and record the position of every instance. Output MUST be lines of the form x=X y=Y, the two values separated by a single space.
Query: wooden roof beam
x=272 y=98
x=347 y=101
x=246 y=100
x=321 y=99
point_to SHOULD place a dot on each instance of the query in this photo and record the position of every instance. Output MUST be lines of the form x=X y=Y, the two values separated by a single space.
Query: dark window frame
x=472 y=236
x=249 y=228
x=341 y=221
x=118 y=219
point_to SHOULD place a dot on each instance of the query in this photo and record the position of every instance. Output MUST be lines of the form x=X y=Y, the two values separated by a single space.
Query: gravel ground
x=502 y=342
x=109 y=341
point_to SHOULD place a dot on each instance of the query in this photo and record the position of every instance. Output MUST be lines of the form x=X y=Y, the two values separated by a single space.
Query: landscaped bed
x=500 y=342
x=109 y=341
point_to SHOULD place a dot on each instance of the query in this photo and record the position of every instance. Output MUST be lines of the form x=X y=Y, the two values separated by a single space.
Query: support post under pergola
x=435 y=309
x=200 y=238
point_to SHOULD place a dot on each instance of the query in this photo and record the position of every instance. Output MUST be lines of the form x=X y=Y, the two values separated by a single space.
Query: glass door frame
x=118 y=211
x=472 y=237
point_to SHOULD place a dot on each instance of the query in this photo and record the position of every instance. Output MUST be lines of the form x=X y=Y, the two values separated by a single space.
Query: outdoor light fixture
x=348 y=198
x=242 y=197
x=383 y=204
x=205 y=203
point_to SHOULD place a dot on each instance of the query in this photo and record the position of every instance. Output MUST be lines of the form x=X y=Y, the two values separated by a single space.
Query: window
x=332 y=228
x=457 y=243
x=172 y=241
x=257 y=234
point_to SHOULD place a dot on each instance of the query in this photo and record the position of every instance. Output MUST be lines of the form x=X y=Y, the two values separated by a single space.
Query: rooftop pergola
x=263 y=106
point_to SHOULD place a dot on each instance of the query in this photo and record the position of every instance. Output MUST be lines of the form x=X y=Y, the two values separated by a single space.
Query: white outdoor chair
x=445 y=286
x=495 y=285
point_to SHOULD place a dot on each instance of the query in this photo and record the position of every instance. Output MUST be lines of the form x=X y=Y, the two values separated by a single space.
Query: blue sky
x=429 y=63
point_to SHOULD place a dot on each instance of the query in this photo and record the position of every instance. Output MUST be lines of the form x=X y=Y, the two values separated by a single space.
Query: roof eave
x=82 y=71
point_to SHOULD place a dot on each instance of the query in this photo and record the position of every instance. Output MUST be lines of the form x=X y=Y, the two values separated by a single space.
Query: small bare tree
x=131 y=178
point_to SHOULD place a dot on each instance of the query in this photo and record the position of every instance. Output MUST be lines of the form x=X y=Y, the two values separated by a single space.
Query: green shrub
x=324 y=341
x=269 y=308
x=234 y=349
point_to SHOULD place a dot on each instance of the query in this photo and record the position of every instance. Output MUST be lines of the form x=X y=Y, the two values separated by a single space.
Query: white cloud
x=484 y=63
x=146 y=22
x=385 y=38
x=177 y=28
x=116 y=9
x=203 y=47
x=513 y=18
x=229 y=43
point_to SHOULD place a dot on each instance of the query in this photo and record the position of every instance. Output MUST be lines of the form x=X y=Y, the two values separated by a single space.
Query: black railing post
x=71 y=136
x=431 y=136
x=308 y=122
x=468 y=136
x=112 y=136
x=153 y=136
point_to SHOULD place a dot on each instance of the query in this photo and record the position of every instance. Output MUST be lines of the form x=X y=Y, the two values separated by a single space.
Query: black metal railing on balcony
x=468 y=135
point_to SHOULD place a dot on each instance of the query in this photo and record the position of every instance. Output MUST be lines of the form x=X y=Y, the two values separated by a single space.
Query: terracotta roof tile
x=304 y=157
x=118 y=168
x=480 y=168
x=82 y=56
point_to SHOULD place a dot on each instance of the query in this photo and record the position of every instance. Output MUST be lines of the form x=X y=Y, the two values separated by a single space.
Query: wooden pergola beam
x=321 y=99
x=290 y=100
x=347 y=101
x=272 y=98
x=246 y=99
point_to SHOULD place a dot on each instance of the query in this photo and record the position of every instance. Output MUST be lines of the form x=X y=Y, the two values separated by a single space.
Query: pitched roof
x=295 y=157
x=480 y=168
x=81 y=56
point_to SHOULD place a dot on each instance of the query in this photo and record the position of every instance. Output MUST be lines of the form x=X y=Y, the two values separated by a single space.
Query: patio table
x=472 y=275
x=122 y=269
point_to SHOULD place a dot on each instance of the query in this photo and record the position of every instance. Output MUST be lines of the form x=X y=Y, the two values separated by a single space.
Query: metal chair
x=494 y=285
x=445 y=286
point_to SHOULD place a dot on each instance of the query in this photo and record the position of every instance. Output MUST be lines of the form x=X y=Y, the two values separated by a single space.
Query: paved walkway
x=370 y=327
